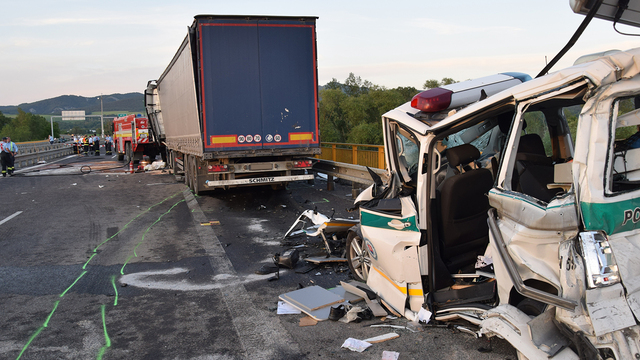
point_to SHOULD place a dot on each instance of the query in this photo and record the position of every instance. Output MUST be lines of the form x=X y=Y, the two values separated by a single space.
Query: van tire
x=531 y=307
x=357 y=256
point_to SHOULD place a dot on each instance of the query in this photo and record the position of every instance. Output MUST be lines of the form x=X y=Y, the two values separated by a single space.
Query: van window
x=537 y=124
x=625 y=170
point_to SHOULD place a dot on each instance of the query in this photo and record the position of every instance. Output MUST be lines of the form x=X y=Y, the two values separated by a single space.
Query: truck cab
x=517 y=213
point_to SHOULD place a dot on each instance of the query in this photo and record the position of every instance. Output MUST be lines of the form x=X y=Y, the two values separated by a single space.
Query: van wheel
x=358 y=257
x=531 y=307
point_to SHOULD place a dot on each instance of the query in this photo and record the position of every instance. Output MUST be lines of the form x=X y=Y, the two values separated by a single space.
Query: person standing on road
x=8 y=156
x=96 y=145
x=90 y=145
x=107 y=145
x=51 y=139
x=85 y=144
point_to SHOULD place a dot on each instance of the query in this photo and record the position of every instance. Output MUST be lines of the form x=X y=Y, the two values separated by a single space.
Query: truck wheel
x=185 y=168
x=128 y=156
x=195 y=187
x=358 y=256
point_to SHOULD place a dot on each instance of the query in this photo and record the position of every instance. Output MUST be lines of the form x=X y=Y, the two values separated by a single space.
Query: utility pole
x=101 y=116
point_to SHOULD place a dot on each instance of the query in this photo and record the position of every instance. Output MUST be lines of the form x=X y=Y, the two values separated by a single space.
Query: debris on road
x=212 y=222
x=355 y=345
x=307 y=321
x=382 y=338
x=284 y=309
x=390 y=355
x=314 y=301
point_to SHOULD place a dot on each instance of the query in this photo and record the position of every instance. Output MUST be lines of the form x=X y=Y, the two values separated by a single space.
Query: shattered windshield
x=454 y=140
x=409 y=152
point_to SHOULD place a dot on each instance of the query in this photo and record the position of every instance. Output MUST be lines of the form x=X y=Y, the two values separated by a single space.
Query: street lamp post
x=101 y=116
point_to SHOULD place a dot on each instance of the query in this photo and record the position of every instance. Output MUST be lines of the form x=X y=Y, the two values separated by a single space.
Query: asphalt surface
x=100 y=264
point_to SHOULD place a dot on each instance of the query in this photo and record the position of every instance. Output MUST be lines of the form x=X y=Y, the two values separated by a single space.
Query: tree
x=4 y=120
x=27 y=127
x=352 y=112
x=433 y=83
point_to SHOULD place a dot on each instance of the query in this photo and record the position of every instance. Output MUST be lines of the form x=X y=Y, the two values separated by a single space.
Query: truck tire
x=358 y=256
x=128 y=154
x=185 y=169
x=195 y=186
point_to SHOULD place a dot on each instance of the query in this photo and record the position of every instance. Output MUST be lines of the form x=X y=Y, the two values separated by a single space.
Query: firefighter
x=107 y=145
x=8 y=156
x=85 y=144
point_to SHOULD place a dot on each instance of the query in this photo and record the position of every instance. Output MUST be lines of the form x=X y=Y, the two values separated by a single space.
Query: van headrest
x=462 y=154
x=531 y=144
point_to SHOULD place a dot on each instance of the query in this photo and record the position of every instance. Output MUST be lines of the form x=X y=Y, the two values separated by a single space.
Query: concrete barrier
x=30 y=153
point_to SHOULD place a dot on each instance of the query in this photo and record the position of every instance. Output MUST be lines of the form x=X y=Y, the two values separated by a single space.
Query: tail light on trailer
x=302 y=163
x=218 y=168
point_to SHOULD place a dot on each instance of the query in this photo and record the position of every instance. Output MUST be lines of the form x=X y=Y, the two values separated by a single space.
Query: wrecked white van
x=519 y=213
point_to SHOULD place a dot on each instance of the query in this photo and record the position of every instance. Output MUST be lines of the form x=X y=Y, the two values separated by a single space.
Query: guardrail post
x=354 y=155
x=380 y=157
x=330 y=185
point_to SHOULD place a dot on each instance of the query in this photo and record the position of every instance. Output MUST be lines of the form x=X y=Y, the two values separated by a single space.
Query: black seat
x=533 y=169
x=463 y=210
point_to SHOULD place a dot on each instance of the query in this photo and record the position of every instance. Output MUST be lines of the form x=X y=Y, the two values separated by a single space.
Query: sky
x=86 y=47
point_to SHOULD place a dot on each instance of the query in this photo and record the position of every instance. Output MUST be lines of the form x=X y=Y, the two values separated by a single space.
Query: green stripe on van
x=612 y=218
x=382 y=222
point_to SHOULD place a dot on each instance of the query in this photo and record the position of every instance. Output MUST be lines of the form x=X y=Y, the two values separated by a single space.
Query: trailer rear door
x=258 y=83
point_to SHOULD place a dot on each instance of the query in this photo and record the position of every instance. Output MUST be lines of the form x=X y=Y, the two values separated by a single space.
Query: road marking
x=157 y=279
x=10 y=217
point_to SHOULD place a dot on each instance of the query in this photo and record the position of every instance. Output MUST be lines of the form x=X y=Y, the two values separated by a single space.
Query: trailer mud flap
x=258 y=180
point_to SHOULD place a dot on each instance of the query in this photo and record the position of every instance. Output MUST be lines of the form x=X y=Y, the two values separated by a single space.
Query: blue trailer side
x=238 y=103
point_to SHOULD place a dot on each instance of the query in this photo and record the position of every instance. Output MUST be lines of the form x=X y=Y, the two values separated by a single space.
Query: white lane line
x=10 y=217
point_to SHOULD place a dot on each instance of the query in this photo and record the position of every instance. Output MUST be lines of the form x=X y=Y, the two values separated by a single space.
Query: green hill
x=130 y=102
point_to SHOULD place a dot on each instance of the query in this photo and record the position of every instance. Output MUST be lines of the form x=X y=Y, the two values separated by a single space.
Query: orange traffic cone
x=131 y=167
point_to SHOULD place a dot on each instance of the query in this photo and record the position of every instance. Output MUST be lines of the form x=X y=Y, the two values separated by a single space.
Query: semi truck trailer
x=238 y=103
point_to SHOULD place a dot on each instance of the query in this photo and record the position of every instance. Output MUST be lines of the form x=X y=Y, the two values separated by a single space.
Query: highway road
x=100 y=264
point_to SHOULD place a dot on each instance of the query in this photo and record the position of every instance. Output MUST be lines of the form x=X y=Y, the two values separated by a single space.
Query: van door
x=535 y=214
x=390 y=227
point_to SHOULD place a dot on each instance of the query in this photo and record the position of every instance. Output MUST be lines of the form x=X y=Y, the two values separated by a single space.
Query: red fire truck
x=132 y=138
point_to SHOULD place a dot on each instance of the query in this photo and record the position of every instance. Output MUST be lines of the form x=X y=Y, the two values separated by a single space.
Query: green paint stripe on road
x=107 y=340
x=69 y=288
x=46 y=323
x=145 y=232
x=115 y=288
x=85 y=264
x=137 y=216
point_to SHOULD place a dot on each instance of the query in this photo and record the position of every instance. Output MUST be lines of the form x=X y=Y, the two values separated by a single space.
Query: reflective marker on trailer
x=464 y=93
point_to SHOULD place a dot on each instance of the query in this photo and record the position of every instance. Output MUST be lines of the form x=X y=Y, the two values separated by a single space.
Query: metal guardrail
x=357 y=174
x=30 y=153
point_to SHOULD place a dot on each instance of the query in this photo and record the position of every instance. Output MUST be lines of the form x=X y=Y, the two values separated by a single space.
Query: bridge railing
x=356 y=154
x=350 y=162
x=32 y=152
